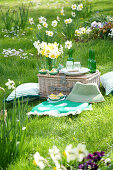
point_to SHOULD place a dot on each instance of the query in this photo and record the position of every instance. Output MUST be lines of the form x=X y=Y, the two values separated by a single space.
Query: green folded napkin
x=85 y=93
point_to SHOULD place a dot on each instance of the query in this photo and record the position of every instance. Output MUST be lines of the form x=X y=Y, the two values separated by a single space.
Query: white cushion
x=26 y=90
x=107 y=82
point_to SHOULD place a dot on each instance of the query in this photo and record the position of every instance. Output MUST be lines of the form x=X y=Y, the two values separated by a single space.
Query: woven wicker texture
x=60 y=83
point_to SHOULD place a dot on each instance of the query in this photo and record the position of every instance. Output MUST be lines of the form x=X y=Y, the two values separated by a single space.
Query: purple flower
x=87 y=165
x=97 y=156
x=90 y=156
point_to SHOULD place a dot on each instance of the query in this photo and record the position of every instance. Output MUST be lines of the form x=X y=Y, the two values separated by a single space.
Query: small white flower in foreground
x=50 y=33
x=55 y=153
x=42 y=19
x=68 y=44
x=55 y=156
x=45 y=24
x=62 y=11
x=58 y=18
x=39 y=27
x=73 y=14
x=10 y=84
x=54 y=23
x=81 y=152
x=74 y=7
x=31 y=21
x=39 y=161
x=80 y=7
x=23 y=128
x=70 y=153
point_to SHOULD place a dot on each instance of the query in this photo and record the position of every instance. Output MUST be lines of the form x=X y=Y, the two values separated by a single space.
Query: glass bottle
x=70 y=60
x=92 y=61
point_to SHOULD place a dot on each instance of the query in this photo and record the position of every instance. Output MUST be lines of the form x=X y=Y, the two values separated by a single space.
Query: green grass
x=92 y=127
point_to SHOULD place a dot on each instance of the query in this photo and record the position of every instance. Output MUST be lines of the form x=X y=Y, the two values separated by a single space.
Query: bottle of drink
x=70 y=60
x=92 y=61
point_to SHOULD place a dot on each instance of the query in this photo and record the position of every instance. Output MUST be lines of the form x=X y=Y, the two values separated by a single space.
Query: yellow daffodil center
x=34 y=162
x=64 y=153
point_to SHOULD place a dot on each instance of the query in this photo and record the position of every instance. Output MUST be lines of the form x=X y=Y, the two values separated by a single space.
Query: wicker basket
x=60 y=83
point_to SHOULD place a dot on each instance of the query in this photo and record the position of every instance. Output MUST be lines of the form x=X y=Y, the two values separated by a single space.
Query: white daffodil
x=74 y=6
x=55 y=156
x=70 y=20
x=70 y=153
x=80 y=7
x=73 y=14
x=39 y=161
x=55 y=153
x=42 y=19
x=36 y=44
x=58 y=18
x=62 y=11
x=66 y=21
x=54 y=23
x=31 y=21
x=45 y=24
x=68 y=44
x=39 y=27
x=50 y=33
x=81 y=152
x=10 y=84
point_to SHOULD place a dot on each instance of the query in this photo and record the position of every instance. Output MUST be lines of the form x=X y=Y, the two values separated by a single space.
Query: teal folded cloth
x=60 y=108
x=85 y=93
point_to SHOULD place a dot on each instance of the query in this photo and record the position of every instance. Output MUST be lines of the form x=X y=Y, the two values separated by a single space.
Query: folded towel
x=85 y=93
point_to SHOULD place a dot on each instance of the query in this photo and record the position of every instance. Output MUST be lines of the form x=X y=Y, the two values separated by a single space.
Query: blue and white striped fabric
x=107 y=82
x=26 y=90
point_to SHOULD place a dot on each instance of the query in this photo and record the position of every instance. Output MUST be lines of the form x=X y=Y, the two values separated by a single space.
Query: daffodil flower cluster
x=51 y=50
x=68 y=21
x=77 y=7
x=82 y=31
x=72 y=154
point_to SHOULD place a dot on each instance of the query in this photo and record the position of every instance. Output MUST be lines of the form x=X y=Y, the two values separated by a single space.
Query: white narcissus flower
x=39 y=27
x=58 y=18
x=31 y=21
x=79 y=7
x=10 y=84
x=70 y=20
x=45 y=24
x=62 y=11
x=68 y=44
x=39 y=161
x=66 y=21
x=81 y=152
x=54 y=23
x=42 y=19
x=55 y=153
x=73 y=14
x=70 y=153
x=55 y=156
x=74 y=6
x=49 y=33
x=36 y=44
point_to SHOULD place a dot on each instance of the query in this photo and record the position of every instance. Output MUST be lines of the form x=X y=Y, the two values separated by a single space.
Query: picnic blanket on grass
x=58 y=109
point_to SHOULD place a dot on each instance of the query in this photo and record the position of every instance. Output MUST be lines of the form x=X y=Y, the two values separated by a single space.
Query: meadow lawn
x=95 y=128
